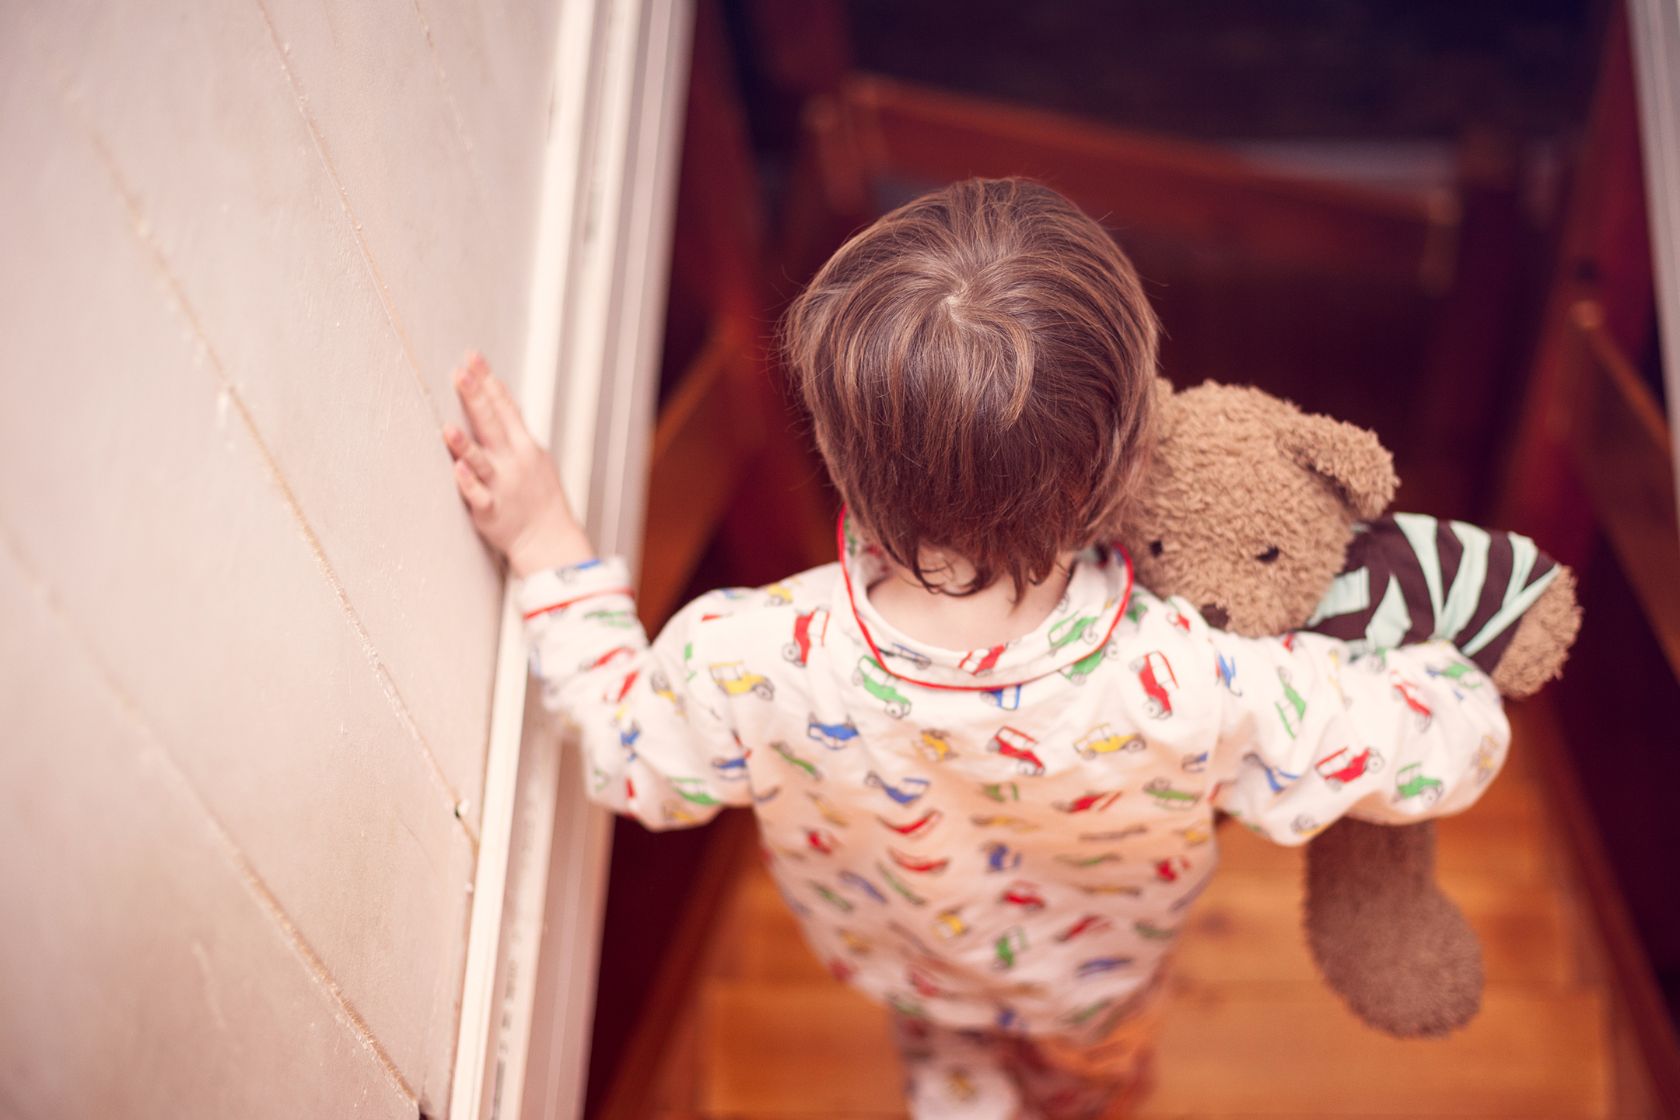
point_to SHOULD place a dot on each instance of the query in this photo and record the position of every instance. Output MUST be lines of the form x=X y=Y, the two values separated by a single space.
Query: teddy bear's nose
x=1215 y=615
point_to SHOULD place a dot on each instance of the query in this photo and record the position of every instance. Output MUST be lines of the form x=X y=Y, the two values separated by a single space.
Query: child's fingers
x=470 y=383
x=508 y=411
x=477 y=495
x=465 y=450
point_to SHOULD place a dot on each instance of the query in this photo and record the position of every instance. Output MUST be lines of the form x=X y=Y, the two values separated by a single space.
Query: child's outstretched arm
x=1393 y=736
x=656 y=744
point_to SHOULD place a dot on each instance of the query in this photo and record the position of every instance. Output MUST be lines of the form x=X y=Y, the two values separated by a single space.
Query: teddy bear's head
x=1249 y=505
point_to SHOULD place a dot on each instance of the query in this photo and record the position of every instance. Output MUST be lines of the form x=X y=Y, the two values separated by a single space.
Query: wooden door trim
x=597 y=295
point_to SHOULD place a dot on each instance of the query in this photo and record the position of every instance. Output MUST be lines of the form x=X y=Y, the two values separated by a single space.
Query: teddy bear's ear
x=1347 y=455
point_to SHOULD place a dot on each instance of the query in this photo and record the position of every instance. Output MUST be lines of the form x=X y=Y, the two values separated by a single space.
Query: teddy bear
x=1266 y=518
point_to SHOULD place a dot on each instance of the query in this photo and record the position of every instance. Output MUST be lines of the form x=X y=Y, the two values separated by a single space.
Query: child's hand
x=508 y=482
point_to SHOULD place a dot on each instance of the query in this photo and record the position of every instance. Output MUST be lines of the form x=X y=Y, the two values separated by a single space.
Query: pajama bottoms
x=991 y=1075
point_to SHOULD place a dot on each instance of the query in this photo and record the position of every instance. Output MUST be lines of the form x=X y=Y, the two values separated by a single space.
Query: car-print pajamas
x=998 y=844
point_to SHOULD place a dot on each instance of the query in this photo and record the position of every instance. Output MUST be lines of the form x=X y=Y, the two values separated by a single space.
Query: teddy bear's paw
x=1398 y=951
x=1542 y=640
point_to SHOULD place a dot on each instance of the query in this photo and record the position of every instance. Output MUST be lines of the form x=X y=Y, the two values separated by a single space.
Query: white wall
x=248 y=632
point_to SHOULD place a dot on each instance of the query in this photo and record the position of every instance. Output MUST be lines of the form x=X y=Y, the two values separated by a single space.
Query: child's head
x=979 y=367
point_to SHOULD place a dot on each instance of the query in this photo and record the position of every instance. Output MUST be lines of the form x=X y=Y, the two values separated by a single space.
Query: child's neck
x=989 y=617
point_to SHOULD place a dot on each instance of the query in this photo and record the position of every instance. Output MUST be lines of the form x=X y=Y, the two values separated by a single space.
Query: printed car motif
x=1023 y=894
x=935 y=745
x=1168 y=797
x=1070 y=630
x=1017 y=745
x=810 y=628
x=876 y=681
x=1292 y=708
x=1080 y=670
x=1413 y=782
x=736 y=680
x=1225 y=669
x=810 y=770
x=1457 y=673
x=1276 y=777
x=863 y=886
x=907 y=792
x=1001 y=857
x=1002 y=791
x=1168 y=870
x=899 y=887
x=834 y=736
x=1099 y=965
x=1407 y=692
x=1090 y=923
x=660 y=685
x=616 y=619
x=1012 y=824
x=1344 y=766
x=730 y=769
x=1155 y=675
x=1008 y=948
x=829 y=813
x=949 y=924
x=1008 y=697
x=683 y=787
x=1089 y=802
x=1485 y=760
x=1103 y=739
x=919 y=864
x=856 y=943
x=979 y=662
x=844 y=905
x=902 y=652
x=917 y=827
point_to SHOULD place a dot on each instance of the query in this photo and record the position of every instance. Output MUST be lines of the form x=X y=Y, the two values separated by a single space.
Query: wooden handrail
x=702 y=443
x=1624 y=453
x=1180 y=189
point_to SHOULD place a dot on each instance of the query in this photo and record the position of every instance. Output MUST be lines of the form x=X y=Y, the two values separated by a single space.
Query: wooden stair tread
x=774 y=1048
x=1527 y=1054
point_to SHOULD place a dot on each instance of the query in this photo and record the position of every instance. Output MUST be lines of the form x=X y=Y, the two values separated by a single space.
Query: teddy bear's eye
x=1156 y=548
x=1269 y=555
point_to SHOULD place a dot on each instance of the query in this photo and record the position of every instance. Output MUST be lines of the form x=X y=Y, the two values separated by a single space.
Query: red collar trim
x=875 y=651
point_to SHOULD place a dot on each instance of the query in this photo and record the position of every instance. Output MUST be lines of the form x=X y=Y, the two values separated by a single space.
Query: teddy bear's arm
x=1317 y=734
x=1410 y=577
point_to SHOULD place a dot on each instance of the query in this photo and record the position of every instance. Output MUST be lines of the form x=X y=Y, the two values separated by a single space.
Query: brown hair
x=978 y=365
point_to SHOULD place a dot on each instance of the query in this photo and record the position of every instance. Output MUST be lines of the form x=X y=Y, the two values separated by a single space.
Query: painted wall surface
x=248 y=631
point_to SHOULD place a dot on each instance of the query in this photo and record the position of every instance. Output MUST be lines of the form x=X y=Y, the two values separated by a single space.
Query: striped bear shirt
x=1411 y=577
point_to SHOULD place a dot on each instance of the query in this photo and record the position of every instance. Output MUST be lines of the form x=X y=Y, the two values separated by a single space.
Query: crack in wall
x=229 y=393
x=456 y=120
x=318 y=139
x=249 y=878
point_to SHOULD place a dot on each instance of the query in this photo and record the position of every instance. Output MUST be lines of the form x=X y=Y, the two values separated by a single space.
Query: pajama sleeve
x=1313 y=733
x=653 y=729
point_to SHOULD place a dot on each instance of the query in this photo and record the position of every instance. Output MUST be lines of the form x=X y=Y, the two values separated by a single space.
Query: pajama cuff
x=555 y=589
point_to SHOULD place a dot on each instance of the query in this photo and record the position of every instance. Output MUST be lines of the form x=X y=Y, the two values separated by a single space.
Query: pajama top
x=1002 y=838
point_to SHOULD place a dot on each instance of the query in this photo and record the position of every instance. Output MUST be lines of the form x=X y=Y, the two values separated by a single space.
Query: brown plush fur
x=1247 y=512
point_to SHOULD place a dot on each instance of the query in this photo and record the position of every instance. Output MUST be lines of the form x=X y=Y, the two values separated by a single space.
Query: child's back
x=1005 y=837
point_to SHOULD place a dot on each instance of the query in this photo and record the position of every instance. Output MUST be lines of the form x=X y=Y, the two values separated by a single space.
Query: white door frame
x=599 y=278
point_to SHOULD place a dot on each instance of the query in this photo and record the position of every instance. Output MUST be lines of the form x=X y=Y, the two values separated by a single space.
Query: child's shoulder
x=745 y=615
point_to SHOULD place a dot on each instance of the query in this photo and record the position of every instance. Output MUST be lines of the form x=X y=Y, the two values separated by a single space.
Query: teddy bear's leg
x=1396 y=949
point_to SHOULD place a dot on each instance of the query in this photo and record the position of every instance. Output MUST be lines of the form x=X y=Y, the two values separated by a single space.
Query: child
x=984 y=764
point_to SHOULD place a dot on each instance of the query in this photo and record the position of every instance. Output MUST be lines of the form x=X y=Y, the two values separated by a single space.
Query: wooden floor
x=765 y=1033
